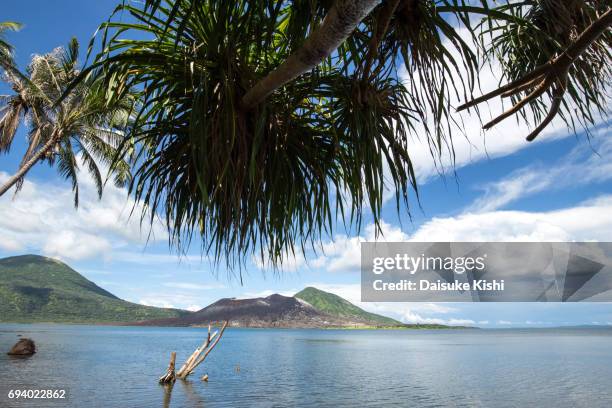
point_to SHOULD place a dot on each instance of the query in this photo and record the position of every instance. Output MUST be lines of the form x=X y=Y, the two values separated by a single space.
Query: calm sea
x=119 y=366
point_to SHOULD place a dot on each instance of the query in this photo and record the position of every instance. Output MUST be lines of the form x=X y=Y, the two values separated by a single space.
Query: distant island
x=310 y=308
x=39 y=289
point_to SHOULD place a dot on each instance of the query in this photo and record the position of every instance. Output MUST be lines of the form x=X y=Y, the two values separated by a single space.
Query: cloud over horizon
x=42 y=218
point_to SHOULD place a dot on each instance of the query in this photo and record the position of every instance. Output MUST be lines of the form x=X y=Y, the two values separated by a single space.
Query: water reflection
x=103 y=366
x=195 y=400
x=167 y=394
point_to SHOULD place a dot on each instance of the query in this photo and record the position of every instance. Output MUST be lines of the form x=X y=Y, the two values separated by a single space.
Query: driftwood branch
x=212 y=346
x=551 y=77
x=200 y=353
x=170 y=376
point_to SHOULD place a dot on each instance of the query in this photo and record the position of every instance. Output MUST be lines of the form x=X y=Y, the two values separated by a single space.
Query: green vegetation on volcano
x=38 y=289
x=336 y=306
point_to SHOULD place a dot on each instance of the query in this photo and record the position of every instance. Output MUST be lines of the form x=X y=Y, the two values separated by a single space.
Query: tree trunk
x=23 y=170
x=340 y=22
x=170 y=375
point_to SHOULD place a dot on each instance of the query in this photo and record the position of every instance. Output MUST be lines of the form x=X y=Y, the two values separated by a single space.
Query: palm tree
x=83 y=125
x=262 y=123
x=6 y=49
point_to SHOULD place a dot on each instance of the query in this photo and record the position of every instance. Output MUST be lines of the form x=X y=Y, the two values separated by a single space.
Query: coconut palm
x=262 y=123
x=6 y=49
x=82 y=126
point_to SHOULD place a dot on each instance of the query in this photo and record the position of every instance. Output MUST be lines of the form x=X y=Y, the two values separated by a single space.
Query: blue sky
x=505 y=189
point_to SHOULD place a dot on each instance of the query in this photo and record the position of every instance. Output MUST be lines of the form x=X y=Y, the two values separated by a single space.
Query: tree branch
x=340 y=22
x=382 y=26
x=552 y=76
x=197 y=358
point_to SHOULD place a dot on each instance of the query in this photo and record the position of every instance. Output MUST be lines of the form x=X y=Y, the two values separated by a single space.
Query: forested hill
x=39 y=289
x=336 y=306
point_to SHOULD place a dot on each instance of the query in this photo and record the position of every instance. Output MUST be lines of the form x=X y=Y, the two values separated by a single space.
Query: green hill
x=336 y=306
x=38 y=289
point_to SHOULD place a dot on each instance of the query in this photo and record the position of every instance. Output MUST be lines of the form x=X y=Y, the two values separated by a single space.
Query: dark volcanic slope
x=272 y=311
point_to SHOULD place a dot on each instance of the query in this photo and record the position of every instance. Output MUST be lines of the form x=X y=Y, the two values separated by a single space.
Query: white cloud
x=461 y=322
x=75 y=245
x=290 y=263
x=412 y=313
x=193 y=286
x=42 y=218
x=536 y=323
x=587 y=164
x=505 y=138
x=519 y=184
x=9 y=244
x=266 y=293
x=342 y=254
x=589 y=221
x=144 y=258
x=157 y=303
x=174 y=299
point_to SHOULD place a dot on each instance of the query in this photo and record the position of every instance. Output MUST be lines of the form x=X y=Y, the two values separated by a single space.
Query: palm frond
x=6 y=49
x=277 y=173
x=68 y=167
x=265 y=180
x=12 y=113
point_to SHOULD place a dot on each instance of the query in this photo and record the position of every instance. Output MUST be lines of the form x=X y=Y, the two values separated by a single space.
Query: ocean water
x=102 y=366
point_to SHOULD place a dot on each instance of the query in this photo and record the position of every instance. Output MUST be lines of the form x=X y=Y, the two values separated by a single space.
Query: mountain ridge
x=272 y=311
x=34 y=288
x=335 y=305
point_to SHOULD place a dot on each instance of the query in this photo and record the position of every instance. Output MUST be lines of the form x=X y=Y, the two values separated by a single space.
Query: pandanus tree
x=81 y=129
x=555 y=57
x=263 y=124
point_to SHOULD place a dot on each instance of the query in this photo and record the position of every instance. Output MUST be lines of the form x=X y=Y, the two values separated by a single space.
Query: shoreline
x=257 y=328
x=138 y=324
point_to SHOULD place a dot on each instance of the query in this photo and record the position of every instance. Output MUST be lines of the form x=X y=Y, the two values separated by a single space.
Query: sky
x=501 y=188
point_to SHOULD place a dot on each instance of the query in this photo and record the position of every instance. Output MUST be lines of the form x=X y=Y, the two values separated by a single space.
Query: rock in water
x=24 y=347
